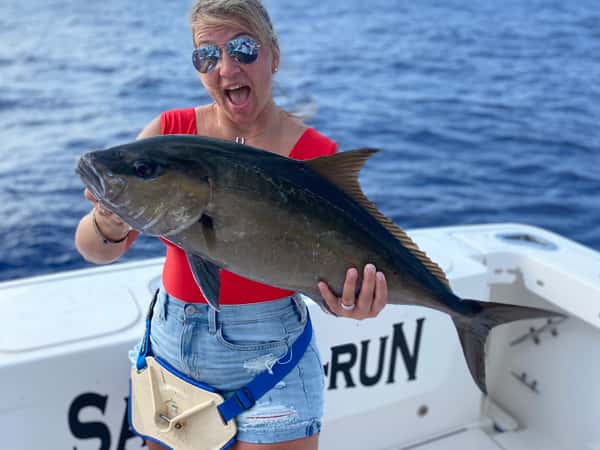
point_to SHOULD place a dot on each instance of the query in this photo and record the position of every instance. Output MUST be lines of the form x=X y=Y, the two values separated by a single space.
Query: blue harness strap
x=245 y=397
x=145 y=350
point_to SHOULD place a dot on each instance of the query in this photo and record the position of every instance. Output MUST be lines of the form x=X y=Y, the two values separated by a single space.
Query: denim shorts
x=227 y=349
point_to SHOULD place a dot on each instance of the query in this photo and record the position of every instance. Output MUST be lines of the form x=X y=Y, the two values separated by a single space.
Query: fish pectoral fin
x=206 y=275
x=208 y=230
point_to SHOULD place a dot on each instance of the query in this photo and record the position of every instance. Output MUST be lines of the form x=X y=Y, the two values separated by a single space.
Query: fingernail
x=370 y=268
x=380 y=276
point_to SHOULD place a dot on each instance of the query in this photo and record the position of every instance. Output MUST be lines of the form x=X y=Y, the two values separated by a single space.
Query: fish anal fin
x=206 y=275
x=342 y=170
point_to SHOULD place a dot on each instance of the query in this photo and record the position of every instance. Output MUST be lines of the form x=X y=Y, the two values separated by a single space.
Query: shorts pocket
x=253 y=336
x=294 y=323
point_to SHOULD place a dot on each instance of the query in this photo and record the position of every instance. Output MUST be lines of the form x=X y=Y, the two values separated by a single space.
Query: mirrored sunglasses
x=242 y=49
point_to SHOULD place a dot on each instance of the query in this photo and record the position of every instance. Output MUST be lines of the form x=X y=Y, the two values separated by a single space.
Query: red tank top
x=177 y=276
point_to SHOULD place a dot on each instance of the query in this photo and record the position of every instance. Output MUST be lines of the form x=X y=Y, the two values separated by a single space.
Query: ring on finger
x=347 y=307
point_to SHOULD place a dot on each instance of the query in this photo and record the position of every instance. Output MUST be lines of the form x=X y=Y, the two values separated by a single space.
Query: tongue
x=239 y=96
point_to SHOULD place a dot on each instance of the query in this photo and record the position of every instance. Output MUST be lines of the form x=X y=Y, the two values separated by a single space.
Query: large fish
x=278 y=221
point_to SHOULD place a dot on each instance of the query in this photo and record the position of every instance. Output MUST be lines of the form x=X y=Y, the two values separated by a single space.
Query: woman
x=236 y=54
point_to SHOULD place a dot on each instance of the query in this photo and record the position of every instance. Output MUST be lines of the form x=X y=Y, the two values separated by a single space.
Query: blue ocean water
x=485 y=111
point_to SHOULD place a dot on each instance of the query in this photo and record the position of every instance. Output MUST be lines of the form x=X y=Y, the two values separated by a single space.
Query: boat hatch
x=45 y=314
x=527 y=239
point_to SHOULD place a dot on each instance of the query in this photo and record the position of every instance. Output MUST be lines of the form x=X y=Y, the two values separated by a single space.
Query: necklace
x=242 y=140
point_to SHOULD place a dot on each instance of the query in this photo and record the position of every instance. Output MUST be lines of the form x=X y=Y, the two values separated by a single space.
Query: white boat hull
x=396 y=382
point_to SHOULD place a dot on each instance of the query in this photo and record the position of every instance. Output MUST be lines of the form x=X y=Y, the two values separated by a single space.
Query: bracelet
x=105 y=239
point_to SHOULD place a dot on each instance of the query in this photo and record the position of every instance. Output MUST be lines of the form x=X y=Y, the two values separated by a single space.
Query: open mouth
x=238 y=95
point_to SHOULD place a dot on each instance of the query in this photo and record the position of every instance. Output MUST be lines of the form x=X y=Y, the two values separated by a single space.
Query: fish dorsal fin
x=342 y=170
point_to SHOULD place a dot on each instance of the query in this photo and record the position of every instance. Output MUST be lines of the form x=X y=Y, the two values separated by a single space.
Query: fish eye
x=147 y=169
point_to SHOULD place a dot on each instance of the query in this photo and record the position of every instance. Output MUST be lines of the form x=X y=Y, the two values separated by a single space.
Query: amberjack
x=279 y=221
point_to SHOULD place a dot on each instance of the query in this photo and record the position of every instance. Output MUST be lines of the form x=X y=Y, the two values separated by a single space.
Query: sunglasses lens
x=205 y=58
x=243 y=49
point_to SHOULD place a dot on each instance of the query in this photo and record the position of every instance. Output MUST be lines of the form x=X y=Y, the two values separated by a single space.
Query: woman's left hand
x=370 y=301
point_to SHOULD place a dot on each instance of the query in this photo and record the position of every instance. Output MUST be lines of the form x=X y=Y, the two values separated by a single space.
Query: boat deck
x=466 y=439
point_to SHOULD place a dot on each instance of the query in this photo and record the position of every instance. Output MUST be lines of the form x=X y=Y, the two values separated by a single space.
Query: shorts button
x=190 y=309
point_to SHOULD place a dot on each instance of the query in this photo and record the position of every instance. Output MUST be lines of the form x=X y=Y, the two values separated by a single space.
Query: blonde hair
x=249 y=14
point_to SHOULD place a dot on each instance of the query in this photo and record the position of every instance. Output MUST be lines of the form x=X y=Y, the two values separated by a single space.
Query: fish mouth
x=104 y=185
x=90 y=177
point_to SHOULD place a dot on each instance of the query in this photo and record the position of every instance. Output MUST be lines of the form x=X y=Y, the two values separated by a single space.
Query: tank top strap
x=313 y=144
x=178 y=121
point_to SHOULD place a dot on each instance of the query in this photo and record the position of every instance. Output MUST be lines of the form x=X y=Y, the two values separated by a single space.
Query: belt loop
x=165 y=304
x=212 y=320
x=300 y=306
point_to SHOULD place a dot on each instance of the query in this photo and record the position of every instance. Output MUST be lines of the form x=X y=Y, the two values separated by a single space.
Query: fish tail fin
x=474 y=327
